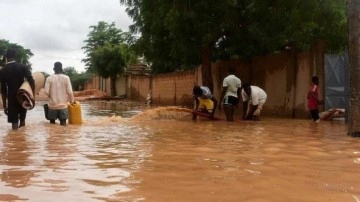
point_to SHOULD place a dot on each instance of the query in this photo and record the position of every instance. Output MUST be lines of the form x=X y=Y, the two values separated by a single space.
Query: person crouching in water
x=204 y=101
x=253 y=100
x=59 y=90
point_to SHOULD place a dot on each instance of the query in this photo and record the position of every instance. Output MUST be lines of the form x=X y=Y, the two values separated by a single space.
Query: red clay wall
x=303 y=80
x=163 y=89
x=275 y=74
x=173 y=89
x=184 y=83
x=138 y=87
x=285 y=77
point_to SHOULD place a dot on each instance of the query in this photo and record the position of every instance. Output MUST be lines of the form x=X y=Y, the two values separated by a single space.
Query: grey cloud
x=55 y=30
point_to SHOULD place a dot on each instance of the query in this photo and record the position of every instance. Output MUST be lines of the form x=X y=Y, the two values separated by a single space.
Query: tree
x=176 y=35
x=22 y=55
x=77 y=79
x=108 y=52
x=109 y=61
x=70 y=71
x=353 y=7
x=99 y=35
x=180 y=34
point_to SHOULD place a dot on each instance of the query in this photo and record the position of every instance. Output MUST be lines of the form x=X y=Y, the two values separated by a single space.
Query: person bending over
x=204 y=101
x=253 y=100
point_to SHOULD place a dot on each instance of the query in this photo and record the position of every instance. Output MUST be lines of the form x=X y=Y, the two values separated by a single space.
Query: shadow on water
x=121 y=153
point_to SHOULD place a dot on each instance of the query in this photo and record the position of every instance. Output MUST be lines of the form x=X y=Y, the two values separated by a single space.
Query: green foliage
x=101 y=34
x=276 y=24
x=78 y=80
x=70 y=71
x=108 y=51
x=173 y=33
x=110 y=60
x=22 y=55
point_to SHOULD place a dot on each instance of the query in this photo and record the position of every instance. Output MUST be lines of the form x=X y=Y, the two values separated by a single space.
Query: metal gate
x=336 y=82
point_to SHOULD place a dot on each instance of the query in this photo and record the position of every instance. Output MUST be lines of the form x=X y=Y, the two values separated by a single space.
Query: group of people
x=57 y=87
x=253 y=98
x=59 y=90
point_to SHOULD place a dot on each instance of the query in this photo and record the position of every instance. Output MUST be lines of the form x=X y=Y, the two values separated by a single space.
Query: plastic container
x=75 y=116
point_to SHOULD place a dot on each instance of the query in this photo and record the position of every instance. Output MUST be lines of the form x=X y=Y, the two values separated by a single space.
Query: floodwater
x=161 y=155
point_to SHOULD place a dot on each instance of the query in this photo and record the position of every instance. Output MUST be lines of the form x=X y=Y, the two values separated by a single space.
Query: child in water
x=313 y=99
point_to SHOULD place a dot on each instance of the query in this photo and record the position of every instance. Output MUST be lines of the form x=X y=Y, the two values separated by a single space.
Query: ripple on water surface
x=161 y=155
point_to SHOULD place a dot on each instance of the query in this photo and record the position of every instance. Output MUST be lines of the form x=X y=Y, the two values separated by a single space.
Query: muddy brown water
x=161 y=155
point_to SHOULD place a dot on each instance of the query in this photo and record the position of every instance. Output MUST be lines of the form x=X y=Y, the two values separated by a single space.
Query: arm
x=312 y=94
x=195 y=107
x=245 y=108
x=245 y=100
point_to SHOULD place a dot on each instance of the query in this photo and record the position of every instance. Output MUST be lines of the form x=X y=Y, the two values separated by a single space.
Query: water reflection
x=113 y=108
x=162 y=155
x=15 y=155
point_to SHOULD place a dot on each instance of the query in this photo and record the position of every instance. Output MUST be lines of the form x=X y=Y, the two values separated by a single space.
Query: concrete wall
x=302 y=84
x=100 y=83
x=274 y=73
x=184 y=83
x=138 y=87
x=91 y=83
x=121 y=85
x=174 y=88
x=220 y=71
x=285 y=77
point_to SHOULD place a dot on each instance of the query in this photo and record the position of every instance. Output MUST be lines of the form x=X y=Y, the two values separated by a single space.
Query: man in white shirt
x=59 y=90
x=230 y=94
x=253 y=100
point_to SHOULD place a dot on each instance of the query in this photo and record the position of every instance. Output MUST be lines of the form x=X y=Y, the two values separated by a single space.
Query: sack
x=46 y=110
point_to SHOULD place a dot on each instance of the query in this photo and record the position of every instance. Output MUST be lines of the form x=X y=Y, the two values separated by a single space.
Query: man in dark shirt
x=12 y=77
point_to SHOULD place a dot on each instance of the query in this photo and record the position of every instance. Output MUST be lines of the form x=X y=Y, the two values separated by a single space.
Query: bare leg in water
x=229 y=112
x=63 y=122
x=22 y=123
x=15 y=126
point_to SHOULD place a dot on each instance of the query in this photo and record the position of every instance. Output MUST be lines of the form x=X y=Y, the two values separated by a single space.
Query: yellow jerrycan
x=75 y=113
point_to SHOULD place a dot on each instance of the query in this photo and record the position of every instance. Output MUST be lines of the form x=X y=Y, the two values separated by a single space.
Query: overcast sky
x=54 y=30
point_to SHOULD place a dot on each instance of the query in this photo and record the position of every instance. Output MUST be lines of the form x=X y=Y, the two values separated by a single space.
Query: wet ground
x=122 y=154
